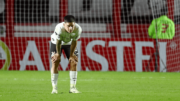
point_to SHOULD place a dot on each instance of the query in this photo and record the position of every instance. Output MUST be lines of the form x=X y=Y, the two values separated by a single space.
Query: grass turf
x=95 y=86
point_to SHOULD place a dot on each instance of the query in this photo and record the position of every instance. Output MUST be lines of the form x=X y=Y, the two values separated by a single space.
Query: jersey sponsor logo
x=52 y=39
x=73 y=34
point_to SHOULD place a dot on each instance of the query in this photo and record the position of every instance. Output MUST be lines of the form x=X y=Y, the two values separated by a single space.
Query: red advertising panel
x=95 y=54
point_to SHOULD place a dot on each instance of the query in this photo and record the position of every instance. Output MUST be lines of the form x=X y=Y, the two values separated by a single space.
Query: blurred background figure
x=2 y=9
x=2 y=6
x=126 y=9
x=54 y=10
x=127 y=6
x=158 y=7
x=86 y=5
x=91 y=11
x=140 y=11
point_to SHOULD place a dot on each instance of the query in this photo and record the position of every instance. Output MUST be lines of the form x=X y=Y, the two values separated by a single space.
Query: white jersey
x=61 y=34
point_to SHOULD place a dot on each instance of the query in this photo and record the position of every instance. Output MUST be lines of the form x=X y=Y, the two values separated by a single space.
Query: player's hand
x=55 y=58
x=73 y=59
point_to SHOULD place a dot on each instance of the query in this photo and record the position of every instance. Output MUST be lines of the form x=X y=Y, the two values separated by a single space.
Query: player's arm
x=58 y=47
x=73 y=47
x=57 y=56
x=73 y=58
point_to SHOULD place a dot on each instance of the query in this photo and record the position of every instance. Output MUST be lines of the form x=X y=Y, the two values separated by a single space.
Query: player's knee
x=73 y=66
x=73 y=63
x=56 y=63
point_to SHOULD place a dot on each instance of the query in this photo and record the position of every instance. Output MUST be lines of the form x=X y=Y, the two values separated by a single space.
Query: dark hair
x=69 y=18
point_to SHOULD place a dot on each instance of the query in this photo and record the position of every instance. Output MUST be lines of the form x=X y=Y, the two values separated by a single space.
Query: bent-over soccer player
x=65 y=38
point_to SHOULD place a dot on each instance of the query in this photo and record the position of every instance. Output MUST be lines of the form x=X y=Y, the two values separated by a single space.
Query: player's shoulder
x=59 y=28
x=77 y=26
x=164 y=18
x=60 y=25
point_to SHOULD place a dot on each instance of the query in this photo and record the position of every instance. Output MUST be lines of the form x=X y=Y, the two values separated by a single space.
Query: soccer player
x=65 y=38
x=162 y=28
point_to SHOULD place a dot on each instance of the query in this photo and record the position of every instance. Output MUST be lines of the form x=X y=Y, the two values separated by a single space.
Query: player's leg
x=54 y=70
x=72 y=72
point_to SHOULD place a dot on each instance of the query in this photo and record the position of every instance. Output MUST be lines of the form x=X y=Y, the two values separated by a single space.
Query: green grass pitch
x=95 y=86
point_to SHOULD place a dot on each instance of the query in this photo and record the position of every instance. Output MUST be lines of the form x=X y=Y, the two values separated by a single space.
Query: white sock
x=54 y=79
x=73 y=78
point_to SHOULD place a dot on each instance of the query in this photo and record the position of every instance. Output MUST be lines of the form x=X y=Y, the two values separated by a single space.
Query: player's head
x=69 y=23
